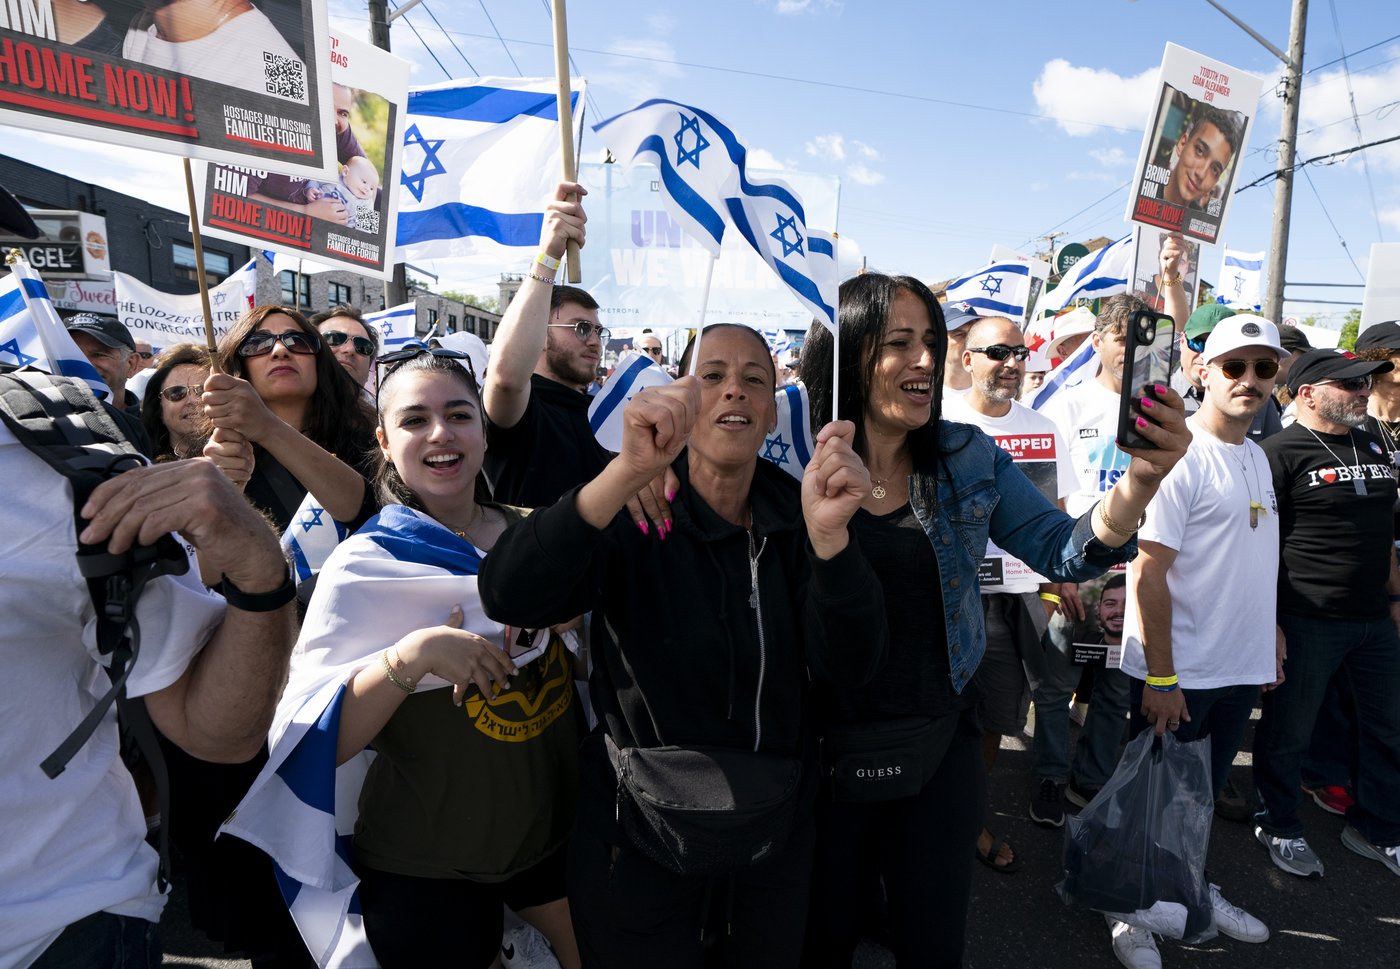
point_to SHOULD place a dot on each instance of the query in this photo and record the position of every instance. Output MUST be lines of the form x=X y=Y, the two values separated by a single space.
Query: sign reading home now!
x=192 y=78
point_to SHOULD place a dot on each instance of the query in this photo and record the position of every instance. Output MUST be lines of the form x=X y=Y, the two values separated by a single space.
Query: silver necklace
x=1358 y=484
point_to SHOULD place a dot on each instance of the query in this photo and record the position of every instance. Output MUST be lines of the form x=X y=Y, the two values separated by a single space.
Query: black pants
x=630 y=913
x=922 y=846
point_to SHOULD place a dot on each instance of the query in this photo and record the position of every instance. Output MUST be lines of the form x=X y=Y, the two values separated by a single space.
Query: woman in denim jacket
x=940 y=490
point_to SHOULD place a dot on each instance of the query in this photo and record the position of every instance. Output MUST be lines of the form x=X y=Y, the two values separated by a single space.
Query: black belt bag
x=705 y=810
x=884 y=759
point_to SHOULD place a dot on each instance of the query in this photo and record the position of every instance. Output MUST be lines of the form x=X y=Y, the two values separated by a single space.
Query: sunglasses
x=1196 y=343
x=654 y=351
x=389 y=362
x=583 y=329
x=363 y=345
x=261 y=342
x=145 y=354
x=1235 y=369
x=1000 y=351
x=1352 y=384
x=177 y=394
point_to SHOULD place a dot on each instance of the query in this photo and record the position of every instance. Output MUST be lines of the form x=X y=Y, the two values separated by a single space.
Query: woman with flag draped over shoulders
x=696 y=788
x=466 y=801
x=940 y=490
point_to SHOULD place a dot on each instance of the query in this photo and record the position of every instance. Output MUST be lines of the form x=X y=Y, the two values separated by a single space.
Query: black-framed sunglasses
x=1235 y=369
x=583 y=329
x=385 y=366
x=145 y=354
x=1351 y=384
x=177 y=394
x=1000 y=351
x=1196 y=343
x=261 y=342
x=363 y=345
x=654 y=351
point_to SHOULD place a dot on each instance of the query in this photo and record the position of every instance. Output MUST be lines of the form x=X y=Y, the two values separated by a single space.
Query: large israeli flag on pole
x=1240 y=276
x=1099 y=274
x=997 y=289
x=32 y=335
x=480 y=162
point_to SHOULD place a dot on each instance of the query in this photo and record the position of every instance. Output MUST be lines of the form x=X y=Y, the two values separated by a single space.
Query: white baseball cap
x=1077 y=322
x=1242 y=330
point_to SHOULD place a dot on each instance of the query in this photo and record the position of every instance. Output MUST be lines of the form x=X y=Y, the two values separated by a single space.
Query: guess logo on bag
x=877 y=772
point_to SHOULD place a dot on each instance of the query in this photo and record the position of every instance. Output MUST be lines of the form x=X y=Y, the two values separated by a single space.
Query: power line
x=440 y=27
x=1076 y=215
x=423 y=42
x=1308 y=176
x=1355 y=120
x=500 y=38
x=1319 y=159
x=1343 y=58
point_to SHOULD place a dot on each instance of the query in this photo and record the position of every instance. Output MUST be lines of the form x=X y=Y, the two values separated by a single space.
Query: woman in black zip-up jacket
x=705 y=634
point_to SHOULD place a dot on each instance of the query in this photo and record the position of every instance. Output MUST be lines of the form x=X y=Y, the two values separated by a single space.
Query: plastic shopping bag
x=1139 y=847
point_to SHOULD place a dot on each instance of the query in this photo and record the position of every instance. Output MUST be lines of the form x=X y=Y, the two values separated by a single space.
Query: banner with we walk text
x=346 y=222
x=230 y=80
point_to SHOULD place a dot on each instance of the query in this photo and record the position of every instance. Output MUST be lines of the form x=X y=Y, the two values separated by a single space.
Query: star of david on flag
x=790 y=445
x=428 y=164
x=311 y=537
x=1241 y=275
x=32 y=335
x=997 y=289
x=699 y=142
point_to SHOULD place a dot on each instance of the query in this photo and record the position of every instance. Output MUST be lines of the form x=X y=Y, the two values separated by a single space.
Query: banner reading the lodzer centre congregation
x=1193 y=146
x=212 y=79
x=347 y=221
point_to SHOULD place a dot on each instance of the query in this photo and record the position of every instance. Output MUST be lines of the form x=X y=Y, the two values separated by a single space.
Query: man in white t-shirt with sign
x=1199 y=636
x=995 y=358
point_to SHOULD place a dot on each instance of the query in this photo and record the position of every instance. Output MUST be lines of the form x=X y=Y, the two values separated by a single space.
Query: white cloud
x=1074 y=95
x=849 y=257
x=865 y=150
x=1110 y=157
x=661 y=23
x=640 y=79
x=827 y=147
x=807 y=6
x=1080 y=176
x=1391 y=217
x=1324 y=119
x=863 y=175
x=763 y=160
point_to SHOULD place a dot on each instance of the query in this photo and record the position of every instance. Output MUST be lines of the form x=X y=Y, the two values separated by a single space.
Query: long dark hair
x=389 y=486
x=865 y=302
x=683 y=367
x=152 y=419
x=338 y=418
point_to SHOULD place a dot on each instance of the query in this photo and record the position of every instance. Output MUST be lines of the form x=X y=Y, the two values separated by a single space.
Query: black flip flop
x=990 y=858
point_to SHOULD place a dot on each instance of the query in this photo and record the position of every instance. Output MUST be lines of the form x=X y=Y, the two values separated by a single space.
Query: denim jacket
x=973 y=491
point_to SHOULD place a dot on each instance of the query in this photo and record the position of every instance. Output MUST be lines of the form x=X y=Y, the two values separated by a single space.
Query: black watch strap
x=258 y=601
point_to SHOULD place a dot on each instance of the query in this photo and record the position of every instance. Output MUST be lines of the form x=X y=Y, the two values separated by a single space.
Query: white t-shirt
x=231 y=55
x=74 y=845
x=1035 y=445
x=1224 y=581
x=1087 y=416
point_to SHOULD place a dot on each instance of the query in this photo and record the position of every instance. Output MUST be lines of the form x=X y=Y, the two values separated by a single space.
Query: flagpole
x=835 y=373
x=704 y=307
x=566 y=121
x=209 y=340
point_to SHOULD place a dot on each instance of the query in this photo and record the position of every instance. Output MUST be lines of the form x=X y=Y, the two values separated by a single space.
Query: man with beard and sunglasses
x=1338 y=608
x=1198 y=640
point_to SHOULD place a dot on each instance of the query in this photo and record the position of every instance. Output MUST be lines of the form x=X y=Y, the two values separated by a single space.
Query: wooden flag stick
x=566 y=122
x=199 y=268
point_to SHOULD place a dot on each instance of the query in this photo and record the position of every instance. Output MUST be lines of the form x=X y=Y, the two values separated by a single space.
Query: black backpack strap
x=61 y=422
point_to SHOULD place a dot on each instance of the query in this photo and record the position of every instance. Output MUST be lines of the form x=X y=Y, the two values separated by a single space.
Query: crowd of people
x=666 y=706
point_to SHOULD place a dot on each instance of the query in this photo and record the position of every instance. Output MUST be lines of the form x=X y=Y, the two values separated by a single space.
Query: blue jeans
x=1368 y=654
x=104 y=941
x=1221 y=713
x=1097 y=752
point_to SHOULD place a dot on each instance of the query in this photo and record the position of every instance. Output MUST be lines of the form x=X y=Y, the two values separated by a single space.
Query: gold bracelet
x=1050 y=597
x=393 y=678
x=1170 y=280
x=548 y=280
x=1113 y=526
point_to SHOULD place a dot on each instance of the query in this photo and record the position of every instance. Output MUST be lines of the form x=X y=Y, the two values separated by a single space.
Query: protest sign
x=198 y=78
x=344 y=223
x=163 y=319
x=1192 y=147
x=645 y=271
x=1147 y=267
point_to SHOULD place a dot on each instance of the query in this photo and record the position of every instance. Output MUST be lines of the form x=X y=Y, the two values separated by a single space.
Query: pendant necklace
x=878 y=492
x=463 y=533
x=1357 y=483
x=1256 y=507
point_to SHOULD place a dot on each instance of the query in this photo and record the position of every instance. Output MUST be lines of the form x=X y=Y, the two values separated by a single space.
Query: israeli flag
x=311 y=537
x=997 y=289
x=397 y=326
x=1241 y=274
x=481 y=160
x=32 y=335
x=770 y=218
x=778 y=340
x=1079 y=366
x=634 y=373
x=1099 y=274
x=790 y=445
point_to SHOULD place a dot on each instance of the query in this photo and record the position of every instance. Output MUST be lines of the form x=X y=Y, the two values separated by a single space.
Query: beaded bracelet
x=548 y=280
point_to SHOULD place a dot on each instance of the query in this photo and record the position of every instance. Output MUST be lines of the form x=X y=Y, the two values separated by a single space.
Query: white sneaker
x=524 y=947
x=1234 y=921
x=1167 y=919
x=1134 y=947
x=1356 y=841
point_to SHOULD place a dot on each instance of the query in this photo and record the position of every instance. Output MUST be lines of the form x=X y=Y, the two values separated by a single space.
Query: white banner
x=164 y=319
x=1381 y=301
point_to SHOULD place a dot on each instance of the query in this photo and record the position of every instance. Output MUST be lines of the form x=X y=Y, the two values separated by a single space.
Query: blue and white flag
x=771 y=219
x=634 y=373
x=1241 y=276
x=481 y=160
x=311 y=537
x=397 y=326
x=1101 y=273
x=32 y=335
x=997 y=289
x=790 y=445
x=1079 y=366
x=778 y=340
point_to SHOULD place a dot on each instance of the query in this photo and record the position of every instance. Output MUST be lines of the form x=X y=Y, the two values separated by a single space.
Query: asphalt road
x=1350 y=919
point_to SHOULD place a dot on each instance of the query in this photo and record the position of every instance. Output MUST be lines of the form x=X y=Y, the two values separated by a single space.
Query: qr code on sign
x=367 y=220
x=284 y=76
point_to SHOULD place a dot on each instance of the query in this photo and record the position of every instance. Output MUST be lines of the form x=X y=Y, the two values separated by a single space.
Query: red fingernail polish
x=671 y=495
x=1159 y=388
x=646 y=530
x=1147 y=404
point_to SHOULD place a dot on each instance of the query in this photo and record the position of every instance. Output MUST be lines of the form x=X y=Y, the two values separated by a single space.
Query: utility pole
x=396 y=289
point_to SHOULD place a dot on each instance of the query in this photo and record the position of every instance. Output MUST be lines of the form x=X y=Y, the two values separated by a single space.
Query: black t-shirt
x=1389 y=435
x=916 y=679
x=1335 y=543
x=550 y=450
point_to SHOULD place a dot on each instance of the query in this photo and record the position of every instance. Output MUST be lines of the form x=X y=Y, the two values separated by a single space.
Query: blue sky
x=953 y=126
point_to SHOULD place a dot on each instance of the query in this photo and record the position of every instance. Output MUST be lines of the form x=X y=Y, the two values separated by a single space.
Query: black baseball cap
x=14 y=220
x=107 y=330
x=1293 y=339
x=1380 y=335
x=1316 y=366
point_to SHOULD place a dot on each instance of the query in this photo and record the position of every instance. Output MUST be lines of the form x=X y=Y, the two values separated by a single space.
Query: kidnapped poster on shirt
x=212 y=79
x=1193 y=144
x=347 y=222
